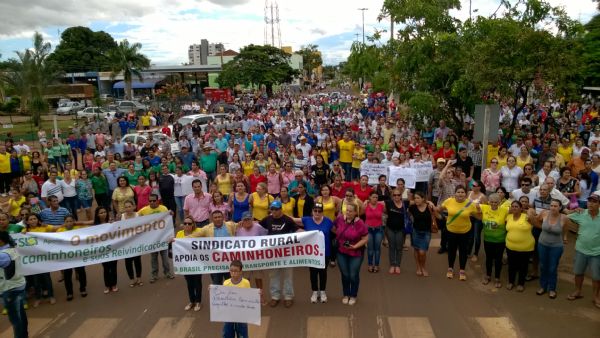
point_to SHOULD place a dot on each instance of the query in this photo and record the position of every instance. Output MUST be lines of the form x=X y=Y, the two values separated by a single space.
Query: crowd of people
x=290 y=164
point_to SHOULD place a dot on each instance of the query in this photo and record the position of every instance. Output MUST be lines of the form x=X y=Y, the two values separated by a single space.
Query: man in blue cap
x=277 y=224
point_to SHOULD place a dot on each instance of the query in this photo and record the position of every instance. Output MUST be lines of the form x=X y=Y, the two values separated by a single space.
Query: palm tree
x=30 y=75
x=127 y=59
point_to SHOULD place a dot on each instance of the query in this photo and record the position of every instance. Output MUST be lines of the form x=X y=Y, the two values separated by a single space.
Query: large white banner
x=49 y=251
x=373 y=171
x=209 y=255
x=422 y=170
x=408 y=174
x=234 y=305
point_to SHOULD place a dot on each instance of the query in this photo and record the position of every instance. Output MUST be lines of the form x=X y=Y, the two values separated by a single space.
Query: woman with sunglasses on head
x=193 y=282
x=318 y=277
x=373 y=212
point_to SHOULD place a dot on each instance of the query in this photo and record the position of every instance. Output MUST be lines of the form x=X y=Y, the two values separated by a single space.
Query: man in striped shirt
x=55 y=214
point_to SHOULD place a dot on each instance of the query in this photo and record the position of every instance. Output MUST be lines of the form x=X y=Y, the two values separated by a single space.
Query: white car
x=156 y=137
x=95 y=112
x=68 y=108
x=202 y=119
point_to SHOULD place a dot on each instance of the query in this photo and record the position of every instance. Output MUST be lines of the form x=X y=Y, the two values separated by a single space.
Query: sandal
x=510 y=286
x=574 y=296
x=552 y=294
x=540 y=291
x=132 y=284
x=370 y=268
x=419 y=273
x=375 y=269
x=486 y=280
x=498 y=284
x=140 y=283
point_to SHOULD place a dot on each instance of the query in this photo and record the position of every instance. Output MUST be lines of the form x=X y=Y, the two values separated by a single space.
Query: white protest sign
x=234 y=305
x=408 y=174
x=41 y=252
x=373 y=171
x=423 y=170
x=211 y=255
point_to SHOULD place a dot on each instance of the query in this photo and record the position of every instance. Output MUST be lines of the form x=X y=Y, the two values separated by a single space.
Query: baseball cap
x=594 y=196
x=275 y=205
x=247 y=215
x=318 y=206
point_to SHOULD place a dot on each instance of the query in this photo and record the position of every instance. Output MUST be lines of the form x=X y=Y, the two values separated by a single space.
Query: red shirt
x=362 y=195
x=443 y=153
x=255 y=180
x=339 y=193
x=166 y=131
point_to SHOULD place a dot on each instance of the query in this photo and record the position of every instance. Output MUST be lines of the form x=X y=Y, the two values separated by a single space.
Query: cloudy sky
x=167 y=27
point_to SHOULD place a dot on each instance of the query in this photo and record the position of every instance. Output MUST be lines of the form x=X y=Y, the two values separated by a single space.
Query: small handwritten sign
x=373 y=171
x=234 y=305
x=422 y=170
x=408 y=174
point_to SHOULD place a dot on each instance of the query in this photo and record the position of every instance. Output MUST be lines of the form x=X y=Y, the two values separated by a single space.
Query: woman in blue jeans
x=373 y=212
x=550 y=246
x=351 y=237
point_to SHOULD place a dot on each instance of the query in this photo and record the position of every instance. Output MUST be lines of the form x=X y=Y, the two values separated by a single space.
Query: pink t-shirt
x=224 y=208
x=255 y=230
x=142 y=194
x=198 y=207
x=273 y=184
x=374 y=216
x=351 y=232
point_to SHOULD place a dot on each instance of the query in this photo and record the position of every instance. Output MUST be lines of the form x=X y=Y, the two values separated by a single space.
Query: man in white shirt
x=525 y=190
x=548 y=171
x=52 y=187
x=515 y=149
x=21 y=148
x=304 y=146
x=554 y=193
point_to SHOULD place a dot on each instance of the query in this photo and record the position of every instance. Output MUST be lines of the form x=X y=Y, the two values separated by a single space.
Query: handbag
x=434 y=226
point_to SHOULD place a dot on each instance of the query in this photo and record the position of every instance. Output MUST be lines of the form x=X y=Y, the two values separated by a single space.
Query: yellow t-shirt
x=75 y=227
x=260 y=207
x=181 y=233
x=248 y=168
x=288 y=208
x=328 y=208
x=359 y=154
x=521 y=163
x=566 y=152
x=301 y=207
x=224 y=184
x=26 y=162
x=492 y=152
x=244 y=283
x=145 y=119
x=4 y=163
x=460 y=224
x=43 y=228
x=15 y=206
x=346 y=150
x=147 y=210
x=325 y=155
x=518 y=234
x=502 y=161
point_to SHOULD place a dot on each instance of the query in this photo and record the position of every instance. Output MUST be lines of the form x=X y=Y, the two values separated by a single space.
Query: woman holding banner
x=42 y=282
x=110 y=268
x=193 y=282
x=132 y=262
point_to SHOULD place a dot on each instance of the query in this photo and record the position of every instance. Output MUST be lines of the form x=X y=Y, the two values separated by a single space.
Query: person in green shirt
x=6 y=226
x=177 y=162
x=65 y=152
x=49 y=153
x=100 y=186
x=587 y=247
x=208 y=162
x=57 y=154
x=132 y=175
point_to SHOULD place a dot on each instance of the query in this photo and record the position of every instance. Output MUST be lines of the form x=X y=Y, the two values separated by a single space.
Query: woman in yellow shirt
x=565 y=149
x=357 y=157
x=524 y=157
x=69 y=225
x=519 y=245
x=502 y=157
x=42 y=281
x=331 y=204
x=287 y=202
x=194 y=282
x=460 y=210
x=224 y=181
x=248 y=165
x=259 y=202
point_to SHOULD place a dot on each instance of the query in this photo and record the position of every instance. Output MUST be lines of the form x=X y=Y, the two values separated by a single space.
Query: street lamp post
x=363 y=22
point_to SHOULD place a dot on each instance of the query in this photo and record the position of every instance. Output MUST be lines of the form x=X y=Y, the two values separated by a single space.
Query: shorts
x=86 y=203
x=420 y=239
x=582 y=261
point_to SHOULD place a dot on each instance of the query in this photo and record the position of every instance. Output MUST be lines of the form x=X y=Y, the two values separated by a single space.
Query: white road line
x=36 y=325
x=497 y=327
x=171 y=327
x=410 y=327
x=96 y=327
x=324 y=326
x=259 y=331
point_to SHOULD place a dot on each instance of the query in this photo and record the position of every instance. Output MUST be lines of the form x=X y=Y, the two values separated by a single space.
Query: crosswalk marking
x=413 y=327
x=261 y=331
x=323 y=326
x=497 y=327
x=36 y=325
x=170 y=326
x=96 y=327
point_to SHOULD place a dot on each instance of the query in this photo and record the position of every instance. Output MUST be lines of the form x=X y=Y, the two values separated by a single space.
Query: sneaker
x=345 y=300
x=198 y=307
x=170 y=276
x=314 y=297
x=153 y=279
x=188 y=307
x=323 y=297
x=462 y=275
x=450 y=273
x=352 y=301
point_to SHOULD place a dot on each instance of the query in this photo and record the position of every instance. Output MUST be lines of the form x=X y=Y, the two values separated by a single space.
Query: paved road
x=388 y=306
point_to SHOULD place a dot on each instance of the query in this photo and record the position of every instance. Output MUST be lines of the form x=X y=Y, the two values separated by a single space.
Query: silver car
x=156 y=137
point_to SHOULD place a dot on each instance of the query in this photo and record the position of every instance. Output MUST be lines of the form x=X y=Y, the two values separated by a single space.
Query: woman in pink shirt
x=142 y=192
x=274 y=181
x=288 y=174
x=373 y=212
x=491 y=176
x=218 y=203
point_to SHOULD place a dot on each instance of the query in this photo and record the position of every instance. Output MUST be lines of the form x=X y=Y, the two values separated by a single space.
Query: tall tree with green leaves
x=29 y=76
x=258 y=65
x=311 y=59
x=591 y=52
x=126 y=58
x=81 y=49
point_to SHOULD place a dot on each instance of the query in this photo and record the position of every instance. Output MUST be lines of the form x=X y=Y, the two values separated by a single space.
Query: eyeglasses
x=336 y=165
x=525 y=184
x=496 y=162
x=318 y=210
x=396 y=194
x=188 y=223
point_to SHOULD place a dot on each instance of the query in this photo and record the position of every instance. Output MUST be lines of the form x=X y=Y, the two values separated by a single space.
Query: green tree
x=591 y=52
x=30 y=75
x=127 y=59
x=311 y=59
x=258 y=65
x=365 y=63
x=81 y=49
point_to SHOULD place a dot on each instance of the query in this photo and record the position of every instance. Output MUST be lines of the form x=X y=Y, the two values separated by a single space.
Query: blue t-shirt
x=324 y=227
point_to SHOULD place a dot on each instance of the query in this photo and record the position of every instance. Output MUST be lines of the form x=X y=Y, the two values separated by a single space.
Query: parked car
x=156 y=137
x=95 y=112
x=202 y=119
x=68 y=108
x=131 y=106
x=227 y=108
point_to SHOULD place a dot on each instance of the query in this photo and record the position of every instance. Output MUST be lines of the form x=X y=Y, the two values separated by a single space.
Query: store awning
x=146 y=84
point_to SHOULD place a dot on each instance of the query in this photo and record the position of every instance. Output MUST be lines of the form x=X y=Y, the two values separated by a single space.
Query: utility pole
x=391 y=27
x=357 y=35
x=363 y=22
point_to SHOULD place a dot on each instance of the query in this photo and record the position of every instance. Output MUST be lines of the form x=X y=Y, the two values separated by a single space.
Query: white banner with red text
x=193 y=256
x=41 y=252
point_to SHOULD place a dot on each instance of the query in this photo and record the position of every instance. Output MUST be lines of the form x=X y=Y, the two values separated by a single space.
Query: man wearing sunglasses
x=525 y=190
